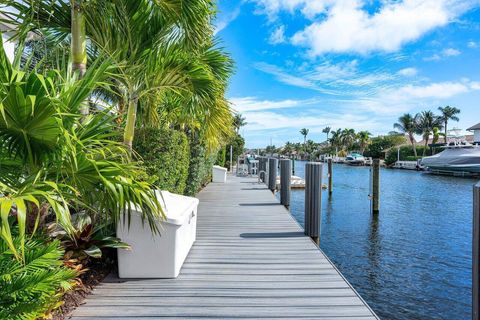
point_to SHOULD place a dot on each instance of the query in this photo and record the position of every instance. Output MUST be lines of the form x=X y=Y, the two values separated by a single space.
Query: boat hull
x=455 y=160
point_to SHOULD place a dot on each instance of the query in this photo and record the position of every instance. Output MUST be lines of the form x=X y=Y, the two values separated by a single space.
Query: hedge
x=166 y=154
x=200 y=169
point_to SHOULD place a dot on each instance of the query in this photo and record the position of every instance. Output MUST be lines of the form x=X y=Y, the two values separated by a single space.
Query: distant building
x=7 y=32
x=476 y=132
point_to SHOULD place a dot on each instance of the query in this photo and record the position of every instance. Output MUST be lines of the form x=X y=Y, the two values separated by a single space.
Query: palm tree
x=327 y=131
x=448 y=113
x=408 y=124
x=335 y=139
x=52 y=162
x=304 y=133
x=363 y=139
x=162 y=52
x=427 y=121
x=348 y=137
x=288 y=148
x=238 y=121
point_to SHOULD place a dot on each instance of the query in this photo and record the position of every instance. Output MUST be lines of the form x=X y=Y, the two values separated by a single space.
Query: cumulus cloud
x=346 y=26
x=472 y=44
x=451 y=52
x=408 y=72
x=278 y=36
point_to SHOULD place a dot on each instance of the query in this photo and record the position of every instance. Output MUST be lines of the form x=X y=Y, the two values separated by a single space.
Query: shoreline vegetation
x=401 y=143
x=104 y=102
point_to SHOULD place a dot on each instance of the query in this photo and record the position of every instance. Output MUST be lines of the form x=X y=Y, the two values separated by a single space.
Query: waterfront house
x=476 y=133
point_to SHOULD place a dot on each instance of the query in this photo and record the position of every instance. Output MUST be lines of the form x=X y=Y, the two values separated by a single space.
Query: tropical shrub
x=222 y=156
x=166 y=156
x=380 y=145
x=55 y=162
x=200 y=169
x=406 y=154
x=87 y=240
x=32 y=287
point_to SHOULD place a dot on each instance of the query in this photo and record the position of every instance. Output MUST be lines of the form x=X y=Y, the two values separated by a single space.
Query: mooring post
x=293 y=166
x=330 y=177
x=313 y=200
x=376 y=186
x=285 y=181
x=272 y=173
x=476 y=254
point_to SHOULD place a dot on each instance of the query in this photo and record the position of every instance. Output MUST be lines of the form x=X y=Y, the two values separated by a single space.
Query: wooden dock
x=251 y=260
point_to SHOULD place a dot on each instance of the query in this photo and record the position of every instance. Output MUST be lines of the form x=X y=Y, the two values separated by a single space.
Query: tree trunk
x=412 y=141
x=130 y=125
x=445 y=138
x=79 y=44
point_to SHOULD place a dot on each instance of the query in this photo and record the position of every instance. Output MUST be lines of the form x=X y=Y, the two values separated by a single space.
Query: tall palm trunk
x=412 y=141
x=130 y=125
x=445 y=138
x=79 y=44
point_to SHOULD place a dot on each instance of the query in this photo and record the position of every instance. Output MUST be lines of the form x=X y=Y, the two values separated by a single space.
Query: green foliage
x=88 y=238
x=406 y=154
x=53 y=162
x=222 y=156
x=165 y=154
x=200 y=169
x=379 y=145
x=32 y=288
x=238 y=144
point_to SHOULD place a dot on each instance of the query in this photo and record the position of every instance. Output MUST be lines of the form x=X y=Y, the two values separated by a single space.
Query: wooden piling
x=313 y=200
x=330 y=177
x=272 y=174
x=285 y=181
x=376 y=186
x=476 y=254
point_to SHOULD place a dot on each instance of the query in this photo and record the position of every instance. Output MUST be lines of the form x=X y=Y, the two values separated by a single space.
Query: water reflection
x=413 y=260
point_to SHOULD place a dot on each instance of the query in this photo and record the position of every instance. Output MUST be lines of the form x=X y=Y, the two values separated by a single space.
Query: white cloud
x=227 y=18
x=285 y=77
x=451 y=52
x=346 y=26
x=309 y=8
x=249 y=104
x=278 y=36
x=472 y=44
x=408 y=72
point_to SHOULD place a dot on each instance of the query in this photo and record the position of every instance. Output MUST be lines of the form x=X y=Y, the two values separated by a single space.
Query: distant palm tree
x=427 y=121
x=448 y=113
x=304 y=133
x=407 y=124
x=335 y=139
x=288 y=148
x=348 y=137
x=363 y=140
x=239 y=121
x=327 y=131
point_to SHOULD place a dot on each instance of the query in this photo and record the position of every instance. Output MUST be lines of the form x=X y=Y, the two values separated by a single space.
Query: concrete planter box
x=219 y=174
x=161 y=255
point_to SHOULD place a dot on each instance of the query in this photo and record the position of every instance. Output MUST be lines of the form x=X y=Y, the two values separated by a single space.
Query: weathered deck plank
x=250 y=260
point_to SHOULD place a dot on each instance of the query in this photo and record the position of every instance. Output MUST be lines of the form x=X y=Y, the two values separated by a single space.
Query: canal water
x=414 y=260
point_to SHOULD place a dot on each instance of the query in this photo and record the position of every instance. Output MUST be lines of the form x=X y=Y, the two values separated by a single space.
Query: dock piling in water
x=476 y=254
x=330 y=177
x=313 y=200
x=272 y=174
x=285 y=181
x=375 y=186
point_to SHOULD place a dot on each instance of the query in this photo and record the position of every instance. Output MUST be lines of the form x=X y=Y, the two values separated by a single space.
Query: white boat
x=458 y=157
x=355 y=159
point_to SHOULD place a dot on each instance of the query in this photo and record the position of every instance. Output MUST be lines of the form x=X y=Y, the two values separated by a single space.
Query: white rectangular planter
x=219 y=174
x=160 y=255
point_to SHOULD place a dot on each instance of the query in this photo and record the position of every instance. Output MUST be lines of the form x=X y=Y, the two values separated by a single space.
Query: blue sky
x=348 y=63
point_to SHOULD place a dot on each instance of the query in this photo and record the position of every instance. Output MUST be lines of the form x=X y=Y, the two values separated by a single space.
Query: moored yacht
x=355 y=159
x=459 y=156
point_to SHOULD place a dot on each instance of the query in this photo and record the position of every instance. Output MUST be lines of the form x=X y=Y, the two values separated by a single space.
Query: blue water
x=414 y=260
